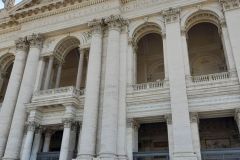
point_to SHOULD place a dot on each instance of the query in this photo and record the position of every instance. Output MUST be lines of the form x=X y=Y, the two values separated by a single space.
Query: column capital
x=132 y=43
x=115 y=22
x=230 y=4
x=21 y=44
x=35 y=40
x=32 y=125
x=168 y=118
x=171 y=15
x=96 y=26
x=69 y=123
x=194 y=117
x=131 y=123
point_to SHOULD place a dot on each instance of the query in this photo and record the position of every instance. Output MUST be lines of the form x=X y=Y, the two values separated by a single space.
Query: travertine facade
x=120 y=79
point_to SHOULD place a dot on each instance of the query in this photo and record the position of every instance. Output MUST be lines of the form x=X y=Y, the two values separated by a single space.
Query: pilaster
x=195 y=133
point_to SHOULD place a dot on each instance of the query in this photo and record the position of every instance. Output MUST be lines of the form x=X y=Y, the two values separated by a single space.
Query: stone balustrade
x=149 y=85
x=213 y=77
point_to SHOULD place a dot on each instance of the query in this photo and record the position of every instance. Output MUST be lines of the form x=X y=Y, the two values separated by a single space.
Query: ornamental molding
x=22 y=44
x=35 y=40
x=230 y=4
x=96 y=26
x=171 y=15
x=115 y=22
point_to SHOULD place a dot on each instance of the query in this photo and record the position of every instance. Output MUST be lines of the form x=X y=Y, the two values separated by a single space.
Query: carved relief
x=171 y=15
x=230 y=4
x=96 y=26
x=21 y=43
x=35 y=40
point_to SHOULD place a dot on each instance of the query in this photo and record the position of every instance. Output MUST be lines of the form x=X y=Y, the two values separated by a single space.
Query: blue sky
x=2 y=5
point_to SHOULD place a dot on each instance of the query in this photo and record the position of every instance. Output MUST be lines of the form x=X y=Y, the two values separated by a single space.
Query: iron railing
x=153 y=155
x=221 y=154
x=48 y=156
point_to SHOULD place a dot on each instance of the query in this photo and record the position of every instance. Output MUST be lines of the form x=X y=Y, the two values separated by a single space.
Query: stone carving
x=21 y=43
x=32 y=125
x=194 y=117
x=96 y=26
x=230 y=4
x=115 y=21
x=8 y=4
x=171 y=15
x=35 y=40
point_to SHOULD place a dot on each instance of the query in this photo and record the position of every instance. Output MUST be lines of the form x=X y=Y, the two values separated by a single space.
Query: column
x=58 y=77
x=79 y=137
x=131 y=79
x=227 y=47
x=28 y=141
x=165 y=55
x=39 y=79
x=122 y=121
x=47 y=140
x=183 y=146
x=89 y=126
x=170 y=135
x=66 y=139
x=185 y=54
x=36 y=143
x=2 y=77
x=132 y=138
x=195 y=134
x=49 y=72
x=232 y=12
x=237 y=118
x=80 y=68
x=11 y=94
x=109 y=128
x=25 y=93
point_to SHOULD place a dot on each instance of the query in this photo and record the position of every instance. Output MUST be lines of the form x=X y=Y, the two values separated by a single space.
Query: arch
x=200 y=17
x=5 y=61
x=144 y=29
x=64 y=46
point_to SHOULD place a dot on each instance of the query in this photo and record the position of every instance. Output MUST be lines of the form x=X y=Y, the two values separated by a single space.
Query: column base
x=122 y=157
x=85 y=157
x=184 y=156
x=107 y=156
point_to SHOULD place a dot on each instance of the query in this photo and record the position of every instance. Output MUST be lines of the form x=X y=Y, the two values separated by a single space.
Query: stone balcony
x=207 y=94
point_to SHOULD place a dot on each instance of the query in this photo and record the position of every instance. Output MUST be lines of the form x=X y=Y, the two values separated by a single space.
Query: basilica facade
x=120 y=79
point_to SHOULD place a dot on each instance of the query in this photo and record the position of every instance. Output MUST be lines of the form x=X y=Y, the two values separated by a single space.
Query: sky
x=2 y=5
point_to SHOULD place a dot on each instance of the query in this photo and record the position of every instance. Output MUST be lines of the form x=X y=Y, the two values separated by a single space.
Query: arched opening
x=4 y=82
x=150 y=61
x=205 y=48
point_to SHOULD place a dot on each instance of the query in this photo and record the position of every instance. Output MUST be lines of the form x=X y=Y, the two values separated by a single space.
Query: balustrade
x=213 y=77
x=48 y=156
x=149 y=85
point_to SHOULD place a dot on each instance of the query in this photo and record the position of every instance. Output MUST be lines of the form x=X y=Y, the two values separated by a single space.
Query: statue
x=8 y=3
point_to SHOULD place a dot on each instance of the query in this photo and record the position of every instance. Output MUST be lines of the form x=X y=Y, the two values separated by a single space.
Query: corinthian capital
x=96 y=26
x=115 y=22
x=35 y=40
x=171 y=15
x=31 y=125
x=21 y=44
x=230 y=4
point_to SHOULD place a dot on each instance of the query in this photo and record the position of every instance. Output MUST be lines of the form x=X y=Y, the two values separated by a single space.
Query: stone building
x=120 y=79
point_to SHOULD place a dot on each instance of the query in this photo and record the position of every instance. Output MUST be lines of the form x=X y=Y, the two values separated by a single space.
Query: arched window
x=150 y=61
x=206 y=54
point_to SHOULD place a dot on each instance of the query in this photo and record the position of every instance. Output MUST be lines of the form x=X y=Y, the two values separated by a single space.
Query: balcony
x=48 y=156
x=57 y=96
x=221 y=154
x=161 y=155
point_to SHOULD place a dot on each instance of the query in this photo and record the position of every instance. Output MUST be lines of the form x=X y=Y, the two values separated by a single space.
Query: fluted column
x=58 y=77
x=27 y=146
x=36 y=143
x=49 y=72
x=131 y=79
x=109 y=127
x=132 y=137
x=11 y=94
x=16 y=132
x=66 y=139
x=170 y=135
x=80 y=68
x=39 y=79
x=227 y=47
x=195 y=134
x=182 y=135
x=89 y=126
x=231 y=12
x=47 y=140
x=122 y=117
